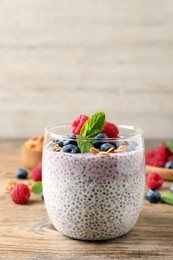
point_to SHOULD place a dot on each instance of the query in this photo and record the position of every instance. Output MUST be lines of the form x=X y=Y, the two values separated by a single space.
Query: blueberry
x=69 y=141
x=130 y=147
x=169 y=165
x=59 y=142
x=42 y=195
x=70 y=148
x=106 y=146
x=121 y=143
x=99 y=137
x=153 y=196
x=21 y=174
x=135 y=143
x=171 y=188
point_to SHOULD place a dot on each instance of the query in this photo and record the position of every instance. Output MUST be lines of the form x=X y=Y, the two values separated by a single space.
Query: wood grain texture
x=27 y=234
x=61 y=58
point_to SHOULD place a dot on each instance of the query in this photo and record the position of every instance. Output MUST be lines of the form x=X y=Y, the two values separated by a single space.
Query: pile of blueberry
x=70 y=144
x=67 y=146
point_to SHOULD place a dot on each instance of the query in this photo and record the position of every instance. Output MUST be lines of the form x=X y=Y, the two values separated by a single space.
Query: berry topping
x=20 y=193
x=154 y=181
x=78 y=123
x=110 y=130
x=53 y=143
x=169 y=165
x=153 y=196
x=99 y=137
x=106 y=146
x=70 y=148
x=36 y=173
x=71 y=140
x=21 y=174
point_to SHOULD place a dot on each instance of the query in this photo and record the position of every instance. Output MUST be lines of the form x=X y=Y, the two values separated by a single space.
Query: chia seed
x=89 y=197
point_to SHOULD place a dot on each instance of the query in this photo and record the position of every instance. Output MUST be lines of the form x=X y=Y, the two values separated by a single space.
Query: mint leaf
x=84 y=145
x=167 y=197
x=93 y=125
x=37 y=187
x=91 y=128
x=170 y=145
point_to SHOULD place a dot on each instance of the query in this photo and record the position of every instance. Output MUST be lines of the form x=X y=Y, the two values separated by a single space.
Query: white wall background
x=61 y=58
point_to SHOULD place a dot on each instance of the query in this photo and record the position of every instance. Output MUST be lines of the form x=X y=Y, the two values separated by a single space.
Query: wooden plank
x=26 y=233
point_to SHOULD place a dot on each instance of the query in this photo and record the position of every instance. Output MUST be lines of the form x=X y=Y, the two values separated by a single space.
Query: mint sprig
x=167 y=197
x=84 y=145
x=37 y=187
x=169 y=144
x=91 y=128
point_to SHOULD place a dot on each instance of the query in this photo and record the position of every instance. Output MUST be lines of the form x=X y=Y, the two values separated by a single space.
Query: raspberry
x=170 y=158
x=78 y=123
x=157 y=157
x=110 y=130
x=154 y=181
x=157 y=162
x=148 y=156
x=20 y=194
x=162 y=150
x=36 y=174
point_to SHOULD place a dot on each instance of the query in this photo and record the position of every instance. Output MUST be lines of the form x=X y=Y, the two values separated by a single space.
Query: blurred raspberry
x=157 y=157
x=148 y=156
x=154 y=181
x=20 y=193
x=162 y=150
x=36 y=174
x=170 y=158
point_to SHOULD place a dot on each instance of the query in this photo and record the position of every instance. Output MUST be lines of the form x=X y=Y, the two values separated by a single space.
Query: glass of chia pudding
x=94 y=178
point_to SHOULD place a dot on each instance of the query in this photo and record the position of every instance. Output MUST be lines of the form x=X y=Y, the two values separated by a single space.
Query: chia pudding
x=90 y=197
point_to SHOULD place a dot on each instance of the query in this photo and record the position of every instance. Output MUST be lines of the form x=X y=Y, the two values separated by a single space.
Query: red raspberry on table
x=157 y=162
x=78 y=123
x=20 y=193
x=148 y=156
x=157 y=157
x=36 y=174
x=170 y=158
x=162 y=150
x=154 y=181
x=160 y=159
x=110 y=130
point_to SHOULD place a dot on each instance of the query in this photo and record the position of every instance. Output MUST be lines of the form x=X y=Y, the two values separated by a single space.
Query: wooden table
x=26 y=233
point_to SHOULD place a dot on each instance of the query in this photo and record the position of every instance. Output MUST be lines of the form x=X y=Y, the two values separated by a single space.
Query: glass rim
x=138 y=132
